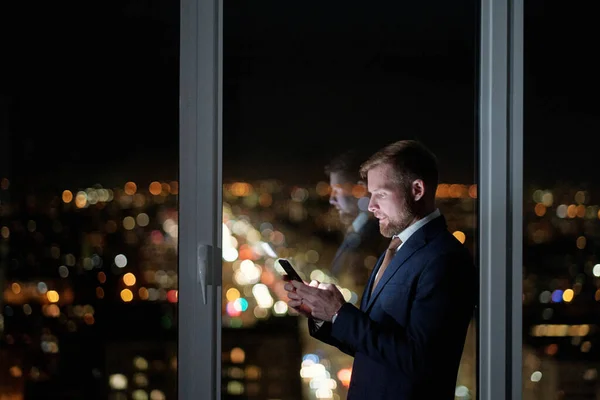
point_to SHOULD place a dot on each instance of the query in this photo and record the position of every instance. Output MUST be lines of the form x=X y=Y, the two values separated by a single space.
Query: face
x=391 y=204
x=341 y=197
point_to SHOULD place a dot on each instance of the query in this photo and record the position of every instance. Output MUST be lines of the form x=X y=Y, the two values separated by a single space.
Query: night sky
x=90 y=94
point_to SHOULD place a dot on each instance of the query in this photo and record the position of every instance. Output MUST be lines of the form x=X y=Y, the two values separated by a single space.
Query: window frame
x=500 y=187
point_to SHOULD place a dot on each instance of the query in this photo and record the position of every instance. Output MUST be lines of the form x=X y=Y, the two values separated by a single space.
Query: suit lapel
x=408 y=249
x=419 y=239
x=367 y=291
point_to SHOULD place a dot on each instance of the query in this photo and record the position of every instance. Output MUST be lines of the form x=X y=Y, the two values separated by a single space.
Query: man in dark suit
x=349 y=197
x=408 y=334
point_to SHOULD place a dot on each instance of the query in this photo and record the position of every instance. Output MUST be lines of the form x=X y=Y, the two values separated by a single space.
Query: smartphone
x=289 y=270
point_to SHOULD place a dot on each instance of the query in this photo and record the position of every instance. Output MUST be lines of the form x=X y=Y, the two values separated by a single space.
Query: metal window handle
x=204 y=253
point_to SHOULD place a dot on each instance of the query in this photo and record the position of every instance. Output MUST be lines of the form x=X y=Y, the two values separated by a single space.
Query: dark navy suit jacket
x=408 y=335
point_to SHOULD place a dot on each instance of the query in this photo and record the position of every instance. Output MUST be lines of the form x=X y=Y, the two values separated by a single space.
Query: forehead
x=338 y=178
x=380 y=178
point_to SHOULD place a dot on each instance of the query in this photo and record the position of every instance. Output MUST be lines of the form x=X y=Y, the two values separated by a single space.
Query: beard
x=395 y=226
x=346 y=218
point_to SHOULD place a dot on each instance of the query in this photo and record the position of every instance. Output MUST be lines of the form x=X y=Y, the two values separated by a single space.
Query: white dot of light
x=307 y=363
x=596 y=270
x=118 y=381
x=324 y=394
x=280 y=307
x=250 y=270
x=240 y=278
x=323 y=383
x=170 y=227
x=316 y=371
x=240 y=228
x=226 y=236
x=536 y=376
x=262 y=295
x=120 y=261
x=561 y=211
x=461 y=391
x=317 y=275
x=230 y=254
x=253 y=236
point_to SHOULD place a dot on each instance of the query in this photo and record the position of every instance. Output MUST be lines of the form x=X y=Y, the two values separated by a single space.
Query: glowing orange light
x=442 y=190
x=473 y=191
x=174 y=185
x=67 y=196
x=344 y=376
x=265 y=200
x=129 y=279
x=359 y=191
x=540 y=209
x=130 y=188
x=126 y=295
x=155 y=188
x=460 y=236
x=143 y=293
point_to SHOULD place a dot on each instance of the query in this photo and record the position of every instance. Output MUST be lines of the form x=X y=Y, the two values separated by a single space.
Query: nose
x=332 y=199
x=372 y=204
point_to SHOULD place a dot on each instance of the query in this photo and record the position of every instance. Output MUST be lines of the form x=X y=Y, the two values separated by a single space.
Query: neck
x=423 y=212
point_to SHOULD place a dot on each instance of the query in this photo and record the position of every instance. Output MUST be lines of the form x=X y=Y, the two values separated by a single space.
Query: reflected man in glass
x=407 y=336
x=361 y=230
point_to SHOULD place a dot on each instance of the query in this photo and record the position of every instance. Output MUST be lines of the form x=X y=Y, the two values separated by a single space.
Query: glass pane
x=88 y=200
x=302 y=86
x=561 y=265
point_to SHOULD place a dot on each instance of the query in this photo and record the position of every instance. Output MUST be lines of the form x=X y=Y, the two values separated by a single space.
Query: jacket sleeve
x=443 y=298
x=322 y=332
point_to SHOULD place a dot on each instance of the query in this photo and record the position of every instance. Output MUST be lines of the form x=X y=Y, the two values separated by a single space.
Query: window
x=561 y=268
x=89 y=200
x=295 y=95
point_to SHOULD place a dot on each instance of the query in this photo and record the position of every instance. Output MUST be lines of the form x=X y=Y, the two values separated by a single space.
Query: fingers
x=289 y=287
x=294 y=296
x=294 y=304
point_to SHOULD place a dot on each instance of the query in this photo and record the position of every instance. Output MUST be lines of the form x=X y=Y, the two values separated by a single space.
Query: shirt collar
x=408 y=232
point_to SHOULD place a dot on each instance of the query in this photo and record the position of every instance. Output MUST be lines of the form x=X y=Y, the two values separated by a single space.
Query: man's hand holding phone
x=295 y=301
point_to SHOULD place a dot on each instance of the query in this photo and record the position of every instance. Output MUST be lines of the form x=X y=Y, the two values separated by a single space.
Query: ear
x=418 y=189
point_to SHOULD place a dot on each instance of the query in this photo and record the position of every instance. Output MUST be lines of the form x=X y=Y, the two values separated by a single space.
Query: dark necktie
x=389 y=254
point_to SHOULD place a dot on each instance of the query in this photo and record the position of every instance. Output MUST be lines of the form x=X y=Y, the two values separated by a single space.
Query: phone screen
x=289 y=270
